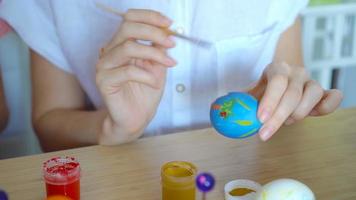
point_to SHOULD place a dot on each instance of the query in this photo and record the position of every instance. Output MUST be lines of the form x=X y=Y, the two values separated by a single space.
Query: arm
x=287 y=92
x=129 y=75
x=59 y=116
x=289 y=48
x=4 y=113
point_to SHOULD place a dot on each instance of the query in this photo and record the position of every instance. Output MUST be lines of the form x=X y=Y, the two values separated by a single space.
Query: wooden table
x=321 y=152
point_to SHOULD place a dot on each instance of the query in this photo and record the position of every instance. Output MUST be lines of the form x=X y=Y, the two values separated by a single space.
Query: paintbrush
x=197 y=41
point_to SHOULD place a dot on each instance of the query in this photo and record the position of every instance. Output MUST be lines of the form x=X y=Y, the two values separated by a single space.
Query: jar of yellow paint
x=178 y=180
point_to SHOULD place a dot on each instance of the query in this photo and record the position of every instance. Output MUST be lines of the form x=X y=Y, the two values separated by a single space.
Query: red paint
x=62 y=168
x=223 y=114
x=62 y=177
x=71 y=190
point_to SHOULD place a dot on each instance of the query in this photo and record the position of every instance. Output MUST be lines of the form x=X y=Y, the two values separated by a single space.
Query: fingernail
x=265 y=133
x=170 y=62
x=170 y=42
x=264 y=116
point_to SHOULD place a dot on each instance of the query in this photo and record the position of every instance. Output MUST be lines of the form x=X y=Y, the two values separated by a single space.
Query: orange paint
x=216 y=106
x=57 y=197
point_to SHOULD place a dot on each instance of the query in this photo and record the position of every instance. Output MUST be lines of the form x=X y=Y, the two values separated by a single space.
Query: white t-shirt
x=69 y=33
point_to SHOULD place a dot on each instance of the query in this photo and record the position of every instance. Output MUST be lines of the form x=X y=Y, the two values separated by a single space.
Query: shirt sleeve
x=33 y=21
x=285 y=12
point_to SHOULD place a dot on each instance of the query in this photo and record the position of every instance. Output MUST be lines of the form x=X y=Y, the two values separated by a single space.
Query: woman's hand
x=287 y=94
x=131 y=75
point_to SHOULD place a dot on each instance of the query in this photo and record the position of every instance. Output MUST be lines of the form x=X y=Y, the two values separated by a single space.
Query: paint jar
x=58 y=198
x=62 y=177
x=178 y=180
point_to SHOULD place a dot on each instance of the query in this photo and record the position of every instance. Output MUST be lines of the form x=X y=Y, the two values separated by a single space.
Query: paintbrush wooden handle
x=109 y=9
x=167 y=30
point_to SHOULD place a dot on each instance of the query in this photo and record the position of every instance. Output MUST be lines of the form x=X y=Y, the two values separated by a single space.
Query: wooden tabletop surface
x=321 y=152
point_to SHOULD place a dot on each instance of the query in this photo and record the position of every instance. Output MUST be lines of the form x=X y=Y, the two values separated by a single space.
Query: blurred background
x=329 y=42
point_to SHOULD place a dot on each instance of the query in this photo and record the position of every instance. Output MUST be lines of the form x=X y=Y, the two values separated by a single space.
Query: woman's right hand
x=131 y=75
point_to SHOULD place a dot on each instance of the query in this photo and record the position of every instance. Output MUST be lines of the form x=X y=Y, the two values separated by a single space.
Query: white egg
x=285 y=189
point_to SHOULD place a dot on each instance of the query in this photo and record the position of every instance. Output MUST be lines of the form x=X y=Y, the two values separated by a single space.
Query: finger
x=329 y=103
x=148 y=65
x=122 y=54
x=285 y=108
x=312 y=94
x=137 y=62
x=158 y=70
x=259 y=89
x=112 y=80
x=147 y=17
x=139 y=31
x=276 y=86
x=289 y=121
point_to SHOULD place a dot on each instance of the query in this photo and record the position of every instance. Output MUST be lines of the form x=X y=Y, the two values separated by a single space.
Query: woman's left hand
x=287 y=94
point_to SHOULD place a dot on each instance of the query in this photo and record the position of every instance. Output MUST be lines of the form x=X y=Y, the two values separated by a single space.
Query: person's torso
x=241 y=32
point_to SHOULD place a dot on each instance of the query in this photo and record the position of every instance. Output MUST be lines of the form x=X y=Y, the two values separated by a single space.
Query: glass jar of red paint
x=62 y=177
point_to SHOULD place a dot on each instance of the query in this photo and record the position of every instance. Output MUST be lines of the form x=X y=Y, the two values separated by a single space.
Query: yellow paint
x=228 y=103
x=178 y=180
x=244 y=122
x=243 y=104
x=177 y=171
x=248 y=133
x=240 y=191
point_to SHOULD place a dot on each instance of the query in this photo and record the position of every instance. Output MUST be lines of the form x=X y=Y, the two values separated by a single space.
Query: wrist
x=113 y=134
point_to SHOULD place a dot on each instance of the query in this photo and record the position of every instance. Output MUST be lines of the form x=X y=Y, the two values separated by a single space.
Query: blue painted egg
x=235 y=115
